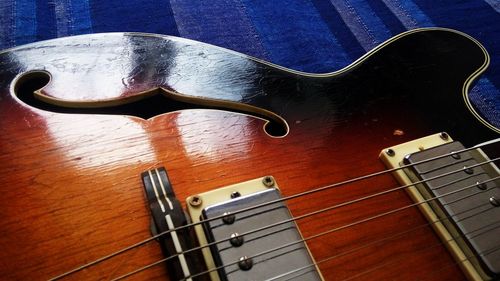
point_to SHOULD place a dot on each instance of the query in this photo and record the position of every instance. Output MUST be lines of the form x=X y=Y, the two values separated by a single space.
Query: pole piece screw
x=481 y=185
x=228 y=218
x=468 y=170
x=456 y=156
x=236 y=240
x=245 y=263
x=494 y=201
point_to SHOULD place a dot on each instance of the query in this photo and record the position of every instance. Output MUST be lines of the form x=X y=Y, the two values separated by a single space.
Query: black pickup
x=467 y=202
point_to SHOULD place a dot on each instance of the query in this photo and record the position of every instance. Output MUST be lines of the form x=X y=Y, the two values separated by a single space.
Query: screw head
x=468 y=170
x=444 y=136
x=268 y=181
x=481 y=185
x=494 y=201
x=245 y=263
x=236 y=240
x=456 y=156
x=195 y=201
x=228 y=218
x=235 y=194
x=390 y=152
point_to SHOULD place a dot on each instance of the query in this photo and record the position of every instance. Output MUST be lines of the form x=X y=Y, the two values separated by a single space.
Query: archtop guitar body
x=82 y=117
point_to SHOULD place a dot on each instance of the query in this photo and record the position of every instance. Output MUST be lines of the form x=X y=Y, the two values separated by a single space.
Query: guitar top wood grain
x=70 y=161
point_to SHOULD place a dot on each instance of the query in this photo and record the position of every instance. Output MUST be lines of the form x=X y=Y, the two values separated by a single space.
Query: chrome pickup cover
x=466 y=211
x=267 y=228
x=393 y=157
x=284 y=252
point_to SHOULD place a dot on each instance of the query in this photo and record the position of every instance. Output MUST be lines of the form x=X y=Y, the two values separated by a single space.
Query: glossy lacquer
x=115 y=105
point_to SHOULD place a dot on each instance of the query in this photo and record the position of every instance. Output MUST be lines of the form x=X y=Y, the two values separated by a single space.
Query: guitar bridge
x=456 y=189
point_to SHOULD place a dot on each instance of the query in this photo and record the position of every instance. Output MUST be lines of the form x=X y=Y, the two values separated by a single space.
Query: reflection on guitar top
x=278 y=170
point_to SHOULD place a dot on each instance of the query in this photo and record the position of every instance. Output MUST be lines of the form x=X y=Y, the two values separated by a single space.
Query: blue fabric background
x=306 y=35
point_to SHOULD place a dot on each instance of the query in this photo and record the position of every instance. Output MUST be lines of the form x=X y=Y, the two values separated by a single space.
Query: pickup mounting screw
x=228 y=218
x=390 y=152
x=494 y=201
x=245 y=263
x=195 y=201
x=268 y=181
x=444 y=136
x=235 y=194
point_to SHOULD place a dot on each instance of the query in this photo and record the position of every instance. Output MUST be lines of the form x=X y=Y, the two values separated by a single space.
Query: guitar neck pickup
x=251 y=233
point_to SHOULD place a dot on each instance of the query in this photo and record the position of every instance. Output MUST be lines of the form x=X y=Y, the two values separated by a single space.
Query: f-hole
x=153 y=104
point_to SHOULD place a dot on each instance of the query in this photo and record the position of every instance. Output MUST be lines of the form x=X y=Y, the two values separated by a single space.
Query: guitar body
x=71 y=157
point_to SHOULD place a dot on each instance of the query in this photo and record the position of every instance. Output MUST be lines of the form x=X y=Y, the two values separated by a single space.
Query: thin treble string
x=319 y=189
x=306 y=215
x=340 y=228
x=264 y=211
x=352 y=250
x=459 y=180
x=467 y=258
x=421 y=250
x=453 y=238
x=371 y=269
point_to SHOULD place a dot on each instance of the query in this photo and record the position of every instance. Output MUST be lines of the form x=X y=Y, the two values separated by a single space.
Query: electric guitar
x=148 y=157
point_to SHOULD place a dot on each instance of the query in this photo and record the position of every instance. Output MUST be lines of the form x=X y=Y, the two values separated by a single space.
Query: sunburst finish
x=71 y=157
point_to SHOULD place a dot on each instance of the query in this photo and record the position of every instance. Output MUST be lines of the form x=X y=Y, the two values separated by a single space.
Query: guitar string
x=412 y=230
x=349 y=181
x=467 y=258
x=379 y=266
x=453 y=263
x=336 y=229
x=325 y=209
x=267 y=203
x=241 y=235
x=453 y=238
x=347 y=203
x=419 y=250
x=441 y=242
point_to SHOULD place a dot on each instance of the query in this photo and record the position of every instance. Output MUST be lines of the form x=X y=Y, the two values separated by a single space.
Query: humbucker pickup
x=459 y=192
x=259 y=243
x=244 y=232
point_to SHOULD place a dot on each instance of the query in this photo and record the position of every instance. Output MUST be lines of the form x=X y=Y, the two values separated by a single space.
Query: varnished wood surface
x=70 y=183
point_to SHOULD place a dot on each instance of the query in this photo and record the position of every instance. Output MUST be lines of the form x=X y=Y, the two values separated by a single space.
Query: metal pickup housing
x=458 y=193
x=258 y=243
